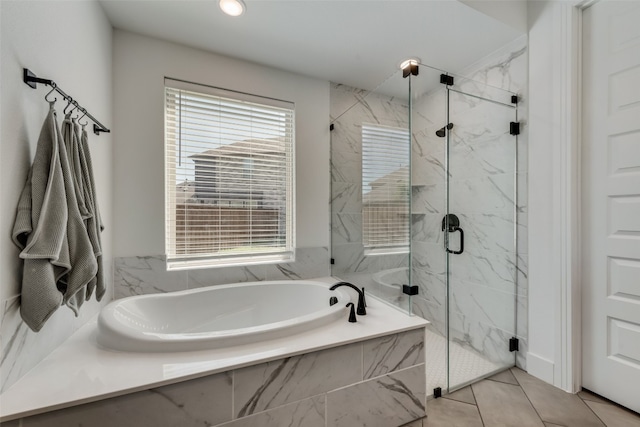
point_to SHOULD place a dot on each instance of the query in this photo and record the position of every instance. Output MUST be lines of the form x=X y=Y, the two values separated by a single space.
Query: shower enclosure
x=423 y=187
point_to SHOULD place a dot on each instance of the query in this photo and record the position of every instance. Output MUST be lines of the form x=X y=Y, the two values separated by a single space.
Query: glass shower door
x=479 y=231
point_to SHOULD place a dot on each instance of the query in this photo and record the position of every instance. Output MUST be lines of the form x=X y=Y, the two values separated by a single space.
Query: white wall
x=140 y=65
x=70 y=43
x=511 y=12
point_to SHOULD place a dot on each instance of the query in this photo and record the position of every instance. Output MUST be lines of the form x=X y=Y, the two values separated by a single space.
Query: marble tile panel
x=195 y=403
x=523 y=199
x=487 y=232
x=432 y=286
x=505 y=68
x=346 y=228
x=140 y=275
x=522 y=318
x=480 y=144
x=22 y=349
x=428 y=198
x=493 y=397
x=346 y=135
x=427 y=158
x=224 y=275
x=521 y=354
x=523 y=232
x=428 y=256
x=303 y=413
x=486 y=194
x=392 y=352
x=491 y=342
x=434 y=313
x=350 y=258
x=346 y=166
x=496 y=270
x=381 y=109
x=427 y=228
x=463 y=395
x=555 y=405
x=447 y=412
x=346 y=197
x=483 y=304
x=342 y=98
x=523 y=275
x=267 y=385
x=393 y=399
x=310 y=263
x=614 y=415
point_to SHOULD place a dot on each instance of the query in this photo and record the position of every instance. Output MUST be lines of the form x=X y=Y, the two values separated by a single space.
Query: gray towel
x=57 y=252
x=94 y=221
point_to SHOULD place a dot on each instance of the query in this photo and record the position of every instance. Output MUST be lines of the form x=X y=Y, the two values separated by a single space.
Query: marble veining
x=304 y=413
x=392 y=353
x=272 y=384
x=144 y=275
x=394 y=399
x=148 y=274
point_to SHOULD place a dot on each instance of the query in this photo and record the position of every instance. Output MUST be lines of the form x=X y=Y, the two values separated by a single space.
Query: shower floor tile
x=466 y=365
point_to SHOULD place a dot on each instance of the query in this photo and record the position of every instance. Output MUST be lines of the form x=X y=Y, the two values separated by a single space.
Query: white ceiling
x=354 y=42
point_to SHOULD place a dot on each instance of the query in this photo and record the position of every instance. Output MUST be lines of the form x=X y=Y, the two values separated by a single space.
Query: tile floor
x=515 y=398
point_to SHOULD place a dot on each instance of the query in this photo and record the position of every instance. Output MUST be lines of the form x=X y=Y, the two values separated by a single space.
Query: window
x=385 y=189
x=229 y=191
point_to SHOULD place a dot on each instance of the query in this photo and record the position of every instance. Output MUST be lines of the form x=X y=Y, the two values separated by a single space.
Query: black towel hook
x=84 y=111
x=46 y=97
x=69 y=103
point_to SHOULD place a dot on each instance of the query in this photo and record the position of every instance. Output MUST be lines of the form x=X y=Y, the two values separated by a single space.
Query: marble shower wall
x=148 y=274
x=378 y=382
x=350 y=107
x=491 y=275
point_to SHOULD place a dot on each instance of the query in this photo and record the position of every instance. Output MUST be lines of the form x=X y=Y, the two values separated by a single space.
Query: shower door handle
x=451 y=224
x=461 y=241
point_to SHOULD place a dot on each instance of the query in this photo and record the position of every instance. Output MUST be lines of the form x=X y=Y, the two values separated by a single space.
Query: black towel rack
x=32 y=80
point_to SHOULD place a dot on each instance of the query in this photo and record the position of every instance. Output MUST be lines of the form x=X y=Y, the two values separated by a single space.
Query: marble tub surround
x=140 y=275
x=80 y=372
x=323 y=388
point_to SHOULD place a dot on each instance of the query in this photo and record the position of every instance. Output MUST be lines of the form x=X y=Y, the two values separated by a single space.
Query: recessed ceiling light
x=232 y=7
x=411 y=61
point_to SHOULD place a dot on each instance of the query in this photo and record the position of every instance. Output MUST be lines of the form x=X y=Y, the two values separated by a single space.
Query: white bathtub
x=218 y=316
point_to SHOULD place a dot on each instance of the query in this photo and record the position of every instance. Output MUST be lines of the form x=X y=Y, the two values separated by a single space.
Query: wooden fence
x=202 y=228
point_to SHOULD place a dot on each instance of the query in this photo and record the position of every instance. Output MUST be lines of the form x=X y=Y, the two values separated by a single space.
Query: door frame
x=555 y=125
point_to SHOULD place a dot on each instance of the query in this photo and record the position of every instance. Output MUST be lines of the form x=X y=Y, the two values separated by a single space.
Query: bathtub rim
x=117 y=336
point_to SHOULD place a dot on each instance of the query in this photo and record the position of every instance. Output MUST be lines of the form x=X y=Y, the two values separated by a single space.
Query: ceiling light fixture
x=232 y=7
x=411 y=61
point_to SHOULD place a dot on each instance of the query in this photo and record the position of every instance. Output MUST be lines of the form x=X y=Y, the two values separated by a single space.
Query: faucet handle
x=333 y=301
x=352 y=313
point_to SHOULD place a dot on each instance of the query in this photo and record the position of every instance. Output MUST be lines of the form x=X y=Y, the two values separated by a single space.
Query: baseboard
x=540 y=367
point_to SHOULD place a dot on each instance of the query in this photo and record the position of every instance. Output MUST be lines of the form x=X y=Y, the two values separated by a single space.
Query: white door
x=611 y=201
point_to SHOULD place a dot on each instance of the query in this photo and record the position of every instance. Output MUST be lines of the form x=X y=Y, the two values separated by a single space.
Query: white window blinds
x=229 y=177
x=385 y=188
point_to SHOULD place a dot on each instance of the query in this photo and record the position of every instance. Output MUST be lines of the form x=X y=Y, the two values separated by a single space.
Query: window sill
x=386 y=251
x=176 y=265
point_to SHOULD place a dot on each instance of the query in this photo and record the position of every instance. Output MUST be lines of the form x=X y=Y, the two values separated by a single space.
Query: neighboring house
x=185 y=192
x=232 y=175
x=385 y=210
